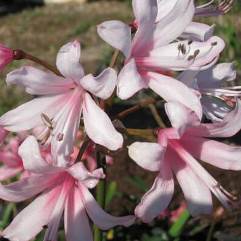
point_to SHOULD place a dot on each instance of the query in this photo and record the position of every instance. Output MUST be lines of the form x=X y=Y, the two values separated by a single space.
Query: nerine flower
x=54 y=116
x=155 y=47
x=218 y=96
x=176 y=153
x=62 y=190
x=6 y=56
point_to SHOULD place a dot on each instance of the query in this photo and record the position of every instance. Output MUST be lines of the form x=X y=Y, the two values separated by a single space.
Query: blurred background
x=41 y=28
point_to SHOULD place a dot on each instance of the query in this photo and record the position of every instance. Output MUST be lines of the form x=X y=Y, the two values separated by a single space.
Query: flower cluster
x=65 y=123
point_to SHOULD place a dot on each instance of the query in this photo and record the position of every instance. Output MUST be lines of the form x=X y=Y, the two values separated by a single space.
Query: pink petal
x=228 y=127
x=198 y=31
x=77 y=227
x=101 y=86
x=180 y=116
x=147 y=155
x=32 y=158
x=68 y=61
x=99 y=217
x=173 y=24
x=8 y=172
x=158 y=197
x=197 y=194
x=66 y=128
x=89 y=179
x=28 y=187
x=3 y=134
x=28 y=115
x=38 y=82
x=55 y=218
x=99 y=127
x=117 y=34
x=171 y=89
x=129 y=81
x=213 y=152
x=165 y=8
x=31 y=220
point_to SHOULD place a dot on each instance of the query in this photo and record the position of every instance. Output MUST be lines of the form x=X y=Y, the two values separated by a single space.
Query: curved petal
x=66 y=124
x=129 y=81
x=213 y=152
x=117 y=34
x=145 y=14
x=171 y=89
x=165 y=8
x=197 y=194
x=180 y=116
x=89 y=179
x=28 y=115
x=68 y=59
x=146 y=11
x=31 y=156
x=174 y=23
x=31 y=220
x=101 y=86
x=158 y=197
x=182 y=55
x=8 y=172
x=28 y=187
x=147 y=155
x=216 y=76
x=99 y=217
x=38 y=82
x=228 y=127
x=99 y=127
x=77 y=227
x=198 y=31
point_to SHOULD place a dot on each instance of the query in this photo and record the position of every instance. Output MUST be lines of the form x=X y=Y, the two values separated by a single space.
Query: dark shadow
x=14 y=6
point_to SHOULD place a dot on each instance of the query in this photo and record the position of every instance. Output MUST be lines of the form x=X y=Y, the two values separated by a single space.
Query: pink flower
x=62 y=190
x=154 y=48
x=3 y=134
x=6 y=56
x=54 y=116
x=12 y=162
x=211 y=84
x=176 y=151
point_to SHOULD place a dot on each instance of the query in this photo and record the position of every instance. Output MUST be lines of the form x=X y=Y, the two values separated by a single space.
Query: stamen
x=60 y=136
x=230 y=196
x=47 y=121
x=182 y=48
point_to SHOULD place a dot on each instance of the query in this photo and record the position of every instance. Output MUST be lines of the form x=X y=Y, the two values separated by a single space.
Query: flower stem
x=100 y=193
x=20 y=54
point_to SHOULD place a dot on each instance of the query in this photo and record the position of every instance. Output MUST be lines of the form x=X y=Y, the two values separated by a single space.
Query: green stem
x=100 y=194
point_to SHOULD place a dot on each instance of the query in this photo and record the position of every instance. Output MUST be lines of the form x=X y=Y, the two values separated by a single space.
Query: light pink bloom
x=176 y=152
x=6 y=56
x=214 y=85
x=55 y=114
x=3 y=134
x=62 y=190
x=154 y=48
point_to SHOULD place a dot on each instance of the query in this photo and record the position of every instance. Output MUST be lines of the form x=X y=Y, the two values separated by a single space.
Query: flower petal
x=31 y=156
x=77 y=227
x=101 y=86
x=174 y=23
x=99 y=127
x=198 y=31
x=129 y=81
x=8 y=172
x=117 y=34
x=213 y=152
x=28 y=187
x=158 y=197
x=89 y=179
x=28 y=115
x=31 y=220
x=99 y=217
x=68 y=61
x=197 y=194
x=38 y=82
x=147 y=155
x=171 y=89
x=180 y=116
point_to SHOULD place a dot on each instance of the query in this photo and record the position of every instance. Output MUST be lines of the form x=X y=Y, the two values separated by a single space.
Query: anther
x=214 y=43
x=60 y=136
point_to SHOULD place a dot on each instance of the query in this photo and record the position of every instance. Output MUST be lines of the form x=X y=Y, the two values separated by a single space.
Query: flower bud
x=6 y=56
